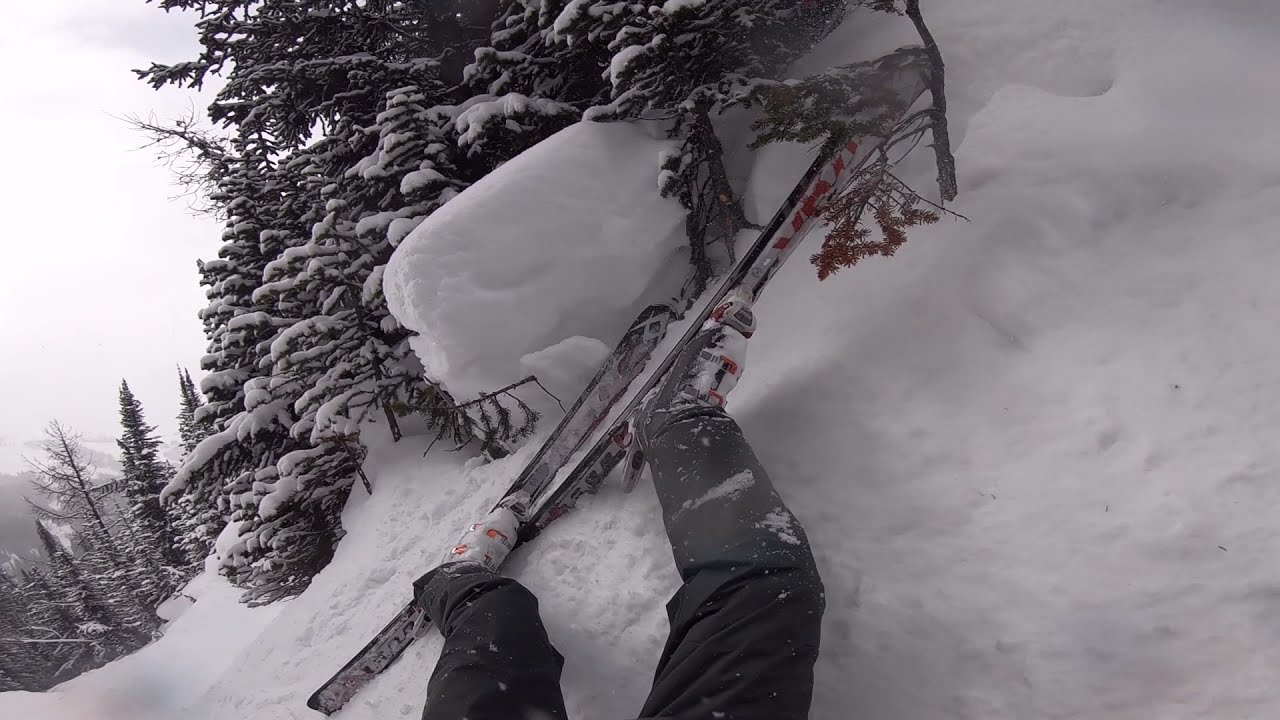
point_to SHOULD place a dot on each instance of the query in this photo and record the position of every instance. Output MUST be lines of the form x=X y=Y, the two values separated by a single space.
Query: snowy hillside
x=1032 y=452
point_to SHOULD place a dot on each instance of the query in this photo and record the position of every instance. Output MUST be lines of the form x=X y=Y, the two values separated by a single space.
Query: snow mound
x=565 y=367
x=563 y=241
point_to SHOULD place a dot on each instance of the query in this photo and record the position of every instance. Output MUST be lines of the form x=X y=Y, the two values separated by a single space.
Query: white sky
x=98 y=280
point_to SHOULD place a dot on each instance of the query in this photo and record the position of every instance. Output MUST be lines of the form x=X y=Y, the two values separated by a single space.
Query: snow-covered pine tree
x=303 y=348
x=190 y=430
x=48 y=619
x=154 y=540
x=197 y=523
x=125 y=589
x=250 y=425
x=344 y=356
x=77 y=608
x=675 y=55
x=20 y=662
x=149 y=581
x=528 y=54
x=88 y=594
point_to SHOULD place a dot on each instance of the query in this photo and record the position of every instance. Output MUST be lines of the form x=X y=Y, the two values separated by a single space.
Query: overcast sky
x=98 y=279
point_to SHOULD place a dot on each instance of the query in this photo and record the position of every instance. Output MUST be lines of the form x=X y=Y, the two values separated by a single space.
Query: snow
x=479 y=113
x=562 y=241
x=419 y=179
x=672 y=7
x=166 y=679
x=730 y=489
x=624 y=57
x=174 y=608
x=1032 y=451
x=564 y=368
x=228 y=541
x=563 y=21
x=781 y=523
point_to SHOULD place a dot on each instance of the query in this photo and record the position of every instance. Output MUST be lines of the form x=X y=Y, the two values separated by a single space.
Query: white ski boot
x=702 y=376
x=489 y=541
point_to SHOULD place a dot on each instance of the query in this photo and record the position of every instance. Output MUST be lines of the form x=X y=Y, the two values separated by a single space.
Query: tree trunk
x=82 y=485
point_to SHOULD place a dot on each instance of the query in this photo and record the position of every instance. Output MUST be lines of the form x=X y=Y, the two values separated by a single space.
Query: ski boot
x=701 y=377
x=489 y=541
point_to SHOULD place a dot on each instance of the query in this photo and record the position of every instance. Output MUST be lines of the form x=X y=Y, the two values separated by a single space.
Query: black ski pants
x=744 y=625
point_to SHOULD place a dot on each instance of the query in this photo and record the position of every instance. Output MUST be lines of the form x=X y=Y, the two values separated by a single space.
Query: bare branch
x=198 y=159
x=501 y=391
x=938 y=88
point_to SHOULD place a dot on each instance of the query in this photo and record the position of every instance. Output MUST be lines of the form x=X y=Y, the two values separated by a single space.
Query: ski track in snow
x=1033 y=453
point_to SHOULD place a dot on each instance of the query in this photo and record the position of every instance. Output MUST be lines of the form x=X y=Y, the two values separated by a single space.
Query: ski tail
x=377 y=655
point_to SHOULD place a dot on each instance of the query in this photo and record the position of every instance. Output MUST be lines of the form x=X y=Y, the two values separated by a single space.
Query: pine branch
x=894 y=210
x=502 y=391
x=493 y=425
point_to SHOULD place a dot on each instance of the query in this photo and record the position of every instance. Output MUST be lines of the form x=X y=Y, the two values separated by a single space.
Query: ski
x=377 y=655
x=610 y=383
x=829 y=175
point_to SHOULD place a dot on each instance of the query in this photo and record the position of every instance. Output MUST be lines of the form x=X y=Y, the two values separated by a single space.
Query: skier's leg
x=745 y=625
x=497 y=661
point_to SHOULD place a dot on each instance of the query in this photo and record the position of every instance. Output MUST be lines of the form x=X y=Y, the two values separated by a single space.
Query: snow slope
x=1032 y=451
x=166 y=679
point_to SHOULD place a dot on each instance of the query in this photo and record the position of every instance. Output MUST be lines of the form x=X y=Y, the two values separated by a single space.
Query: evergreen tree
x=126 y=591
x=190 y=430
x=302 y=346
x=90 y=595
x=197 y=520
x=155 y=542
x=20 y=662
x=251 y=426
x=47 y=619
x=74 y=609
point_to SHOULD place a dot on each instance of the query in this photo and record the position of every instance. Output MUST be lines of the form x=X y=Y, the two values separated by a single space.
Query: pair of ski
x=833 y=172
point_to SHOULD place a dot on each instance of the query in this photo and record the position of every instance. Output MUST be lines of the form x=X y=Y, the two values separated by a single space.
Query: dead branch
x=947 y=183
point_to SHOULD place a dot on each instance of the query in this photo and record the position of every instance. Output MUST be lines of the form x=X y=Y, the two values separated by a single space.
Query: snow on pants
x=744 y=625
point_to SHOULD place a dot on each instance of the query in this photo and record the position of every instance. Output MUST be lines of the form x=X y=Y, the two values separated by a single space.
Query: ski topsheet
x=829 y=175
